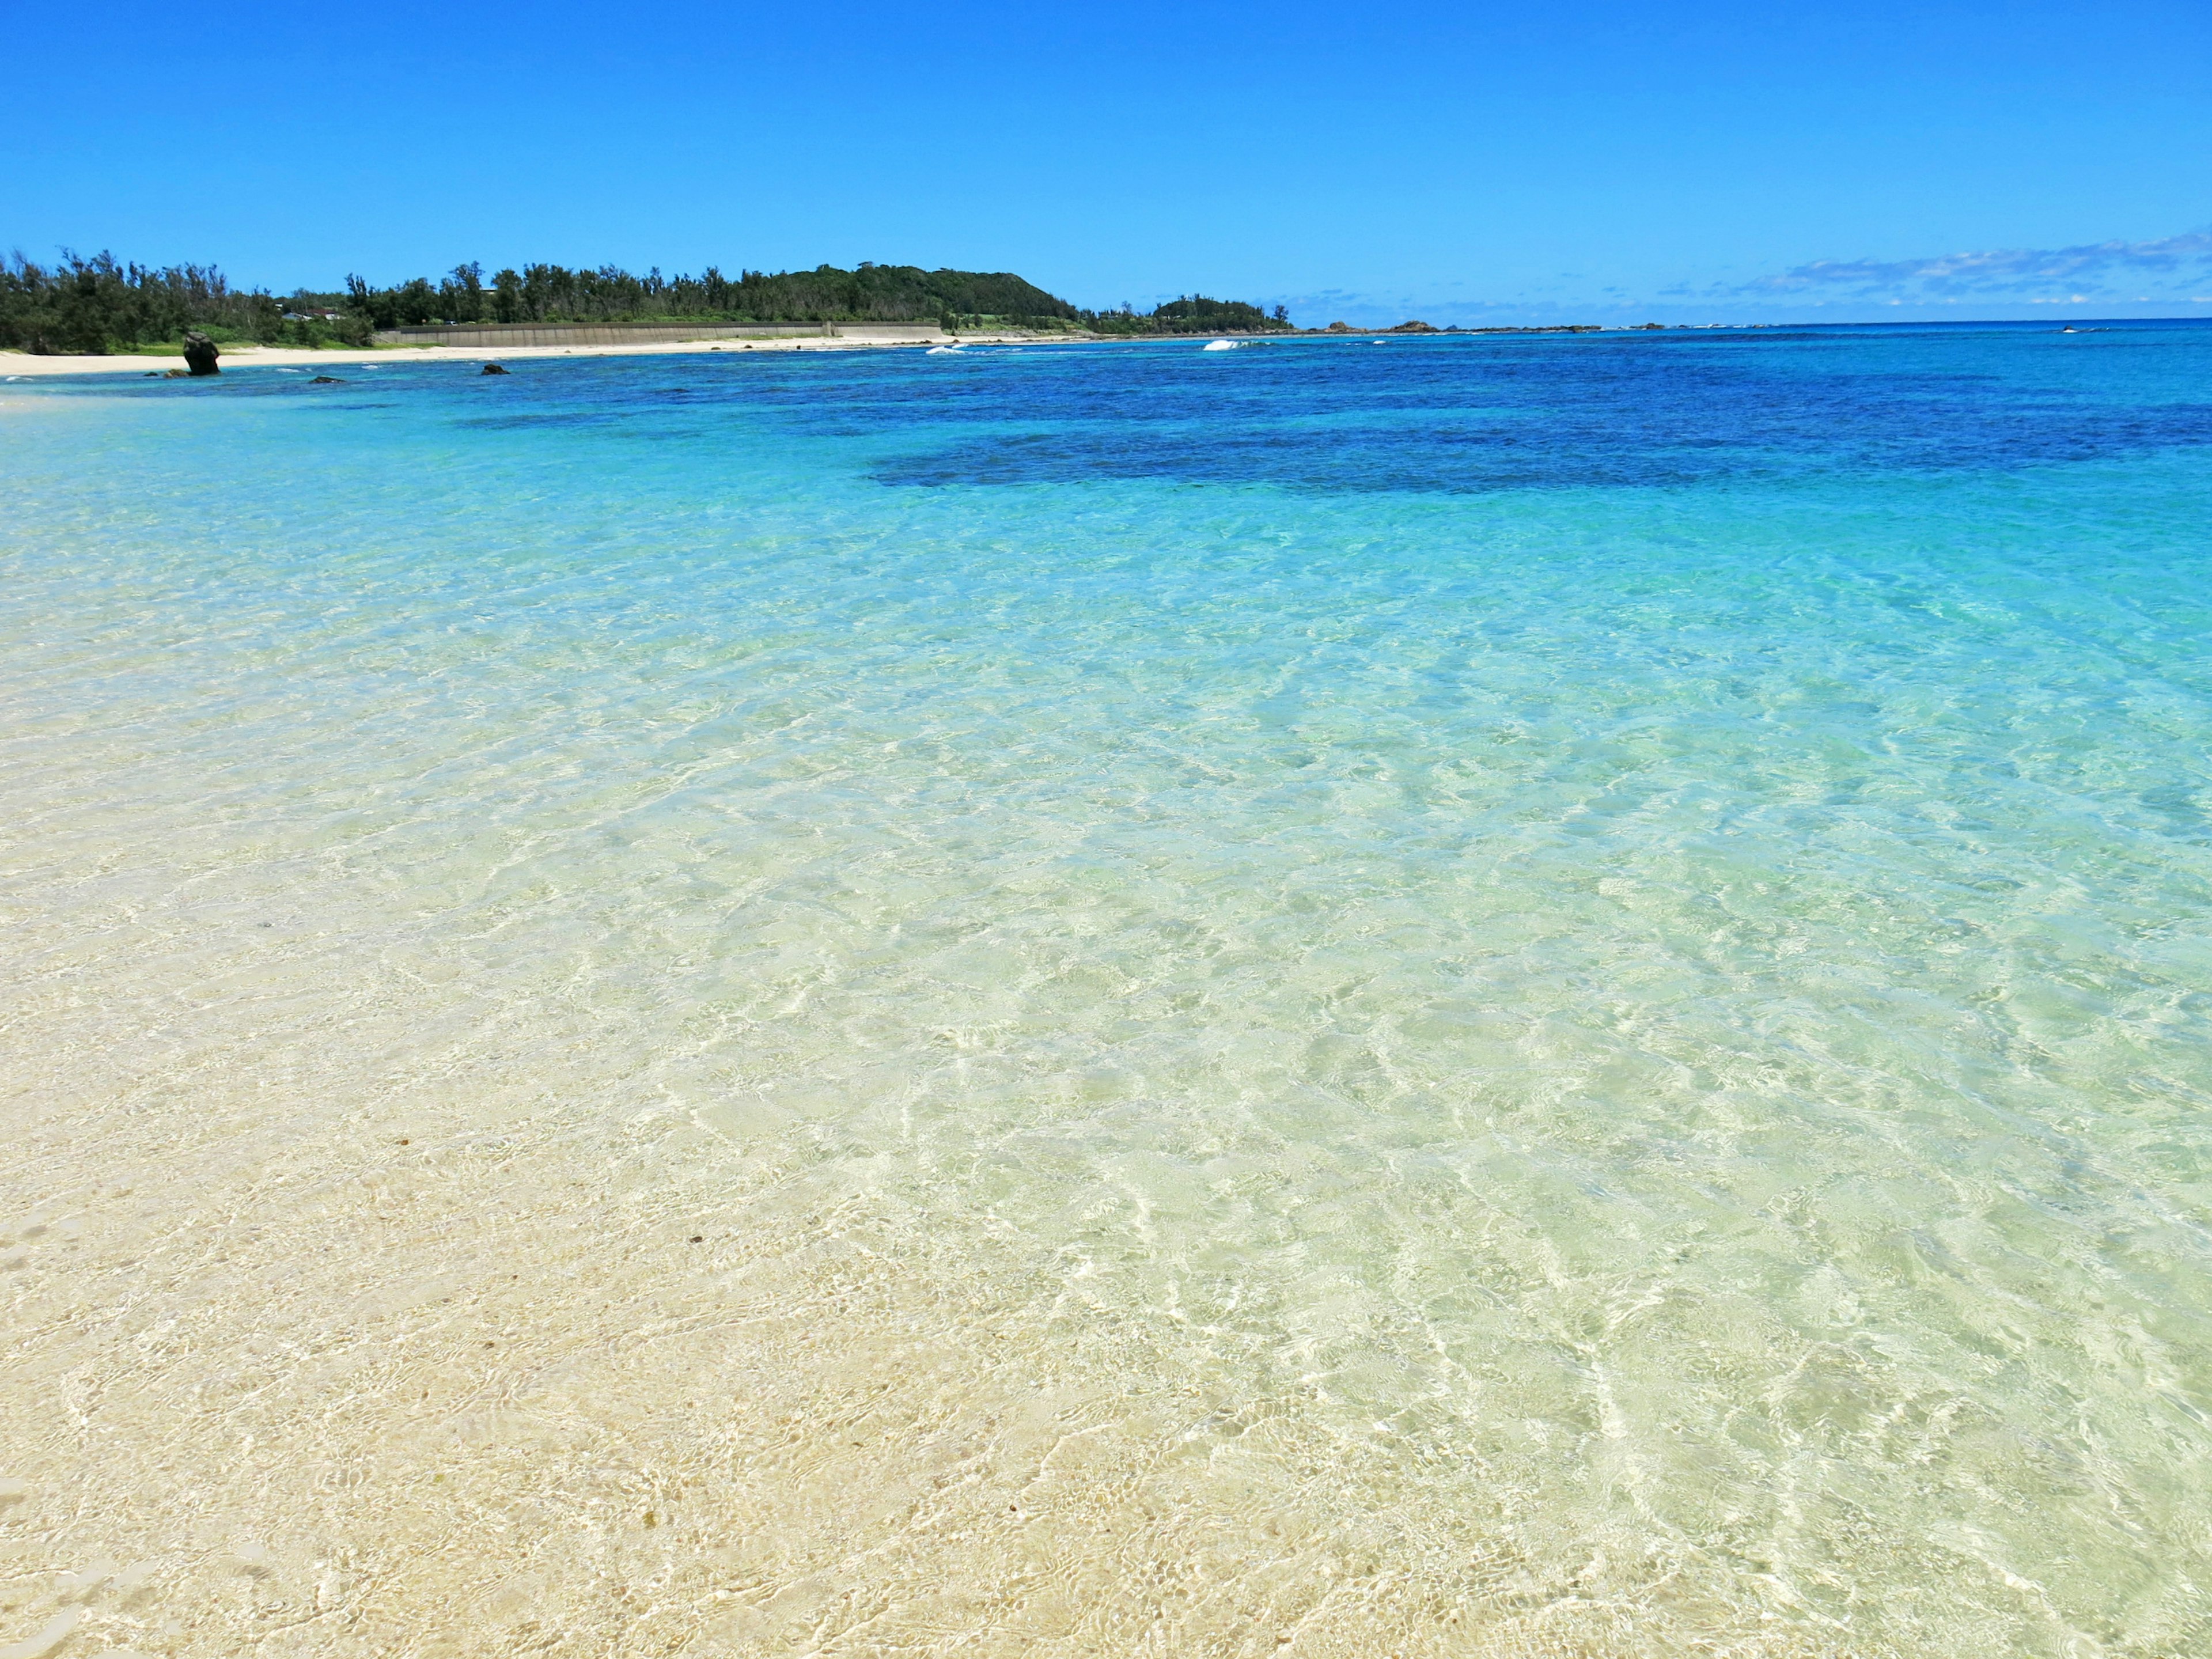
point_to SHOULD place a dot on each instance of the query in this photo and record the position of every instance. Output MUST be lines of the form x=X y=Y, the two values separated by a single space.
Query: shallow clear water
x=1622 y=925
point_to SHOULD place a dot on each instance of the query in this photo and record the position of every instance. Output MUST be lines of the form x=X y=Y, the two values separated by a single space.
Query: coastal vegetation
x=1192 y=314
x=101 y=304
x=554 y=294
x=870 y=293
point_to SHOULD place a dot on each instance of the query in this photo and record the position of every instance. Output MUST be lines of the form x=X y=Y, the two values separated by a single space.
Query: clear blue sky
x=1577 y=160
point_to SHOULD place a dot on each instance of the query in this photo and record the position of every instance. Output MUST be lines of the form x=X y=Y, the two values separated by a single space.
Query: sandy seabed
x=353 y=1309
x=315 y=1348
x=354 y=1306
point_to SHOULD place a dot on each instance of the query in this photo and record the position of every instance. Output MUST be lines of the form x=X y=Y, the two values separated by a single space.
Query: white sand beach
x=243 y=357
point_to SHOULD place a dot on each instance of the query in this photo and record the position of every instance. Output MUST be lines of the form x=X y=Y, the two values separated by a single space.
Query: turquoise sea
x=1619 y=928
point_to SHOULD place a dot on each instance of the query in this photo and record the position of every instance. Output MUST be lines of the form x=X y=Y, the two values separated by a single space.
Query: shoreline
x=23 y=365
x=26 y=365
x=20 y=365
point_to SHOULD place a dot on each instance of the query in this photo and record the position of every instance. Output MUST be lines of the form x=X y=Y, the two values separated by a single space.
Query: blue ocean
x=1607 y=936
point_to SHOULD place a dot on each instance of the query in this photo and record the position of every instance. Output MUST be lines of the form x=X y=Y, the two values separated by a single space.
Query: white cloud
x=2077 y=273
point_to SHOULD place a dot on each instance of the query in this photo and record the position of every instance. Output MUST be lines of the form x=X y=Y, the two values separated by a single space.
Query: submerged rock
x=327 y=379
x=200 y=353
x=493 y=368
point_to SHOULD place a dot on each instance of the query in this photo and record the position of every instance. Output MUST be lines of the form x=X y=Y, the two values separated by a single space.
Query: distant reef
x=101 y=304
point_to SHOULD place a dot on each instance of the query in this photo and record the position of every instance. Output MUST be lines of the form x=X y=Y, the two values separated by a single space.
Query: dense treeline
x=872 y=294
x=1192 y=314
x=100 y=304
x=80 y=305
x=553 y=294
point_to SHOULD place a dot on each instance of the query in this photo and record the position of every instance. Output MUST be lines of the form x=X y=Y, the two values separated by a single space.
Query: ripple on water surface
x=1616 y=930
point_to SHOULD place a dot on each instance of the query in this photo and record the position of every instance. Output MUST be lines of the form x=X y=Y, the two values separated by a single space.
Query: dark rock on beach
x=200 y=353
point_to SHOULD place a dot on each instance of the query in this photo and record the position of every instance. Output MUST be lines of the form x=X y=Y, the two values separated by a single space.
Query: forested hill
x=1192 y=314
x=872 y=294
x=99 y=304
